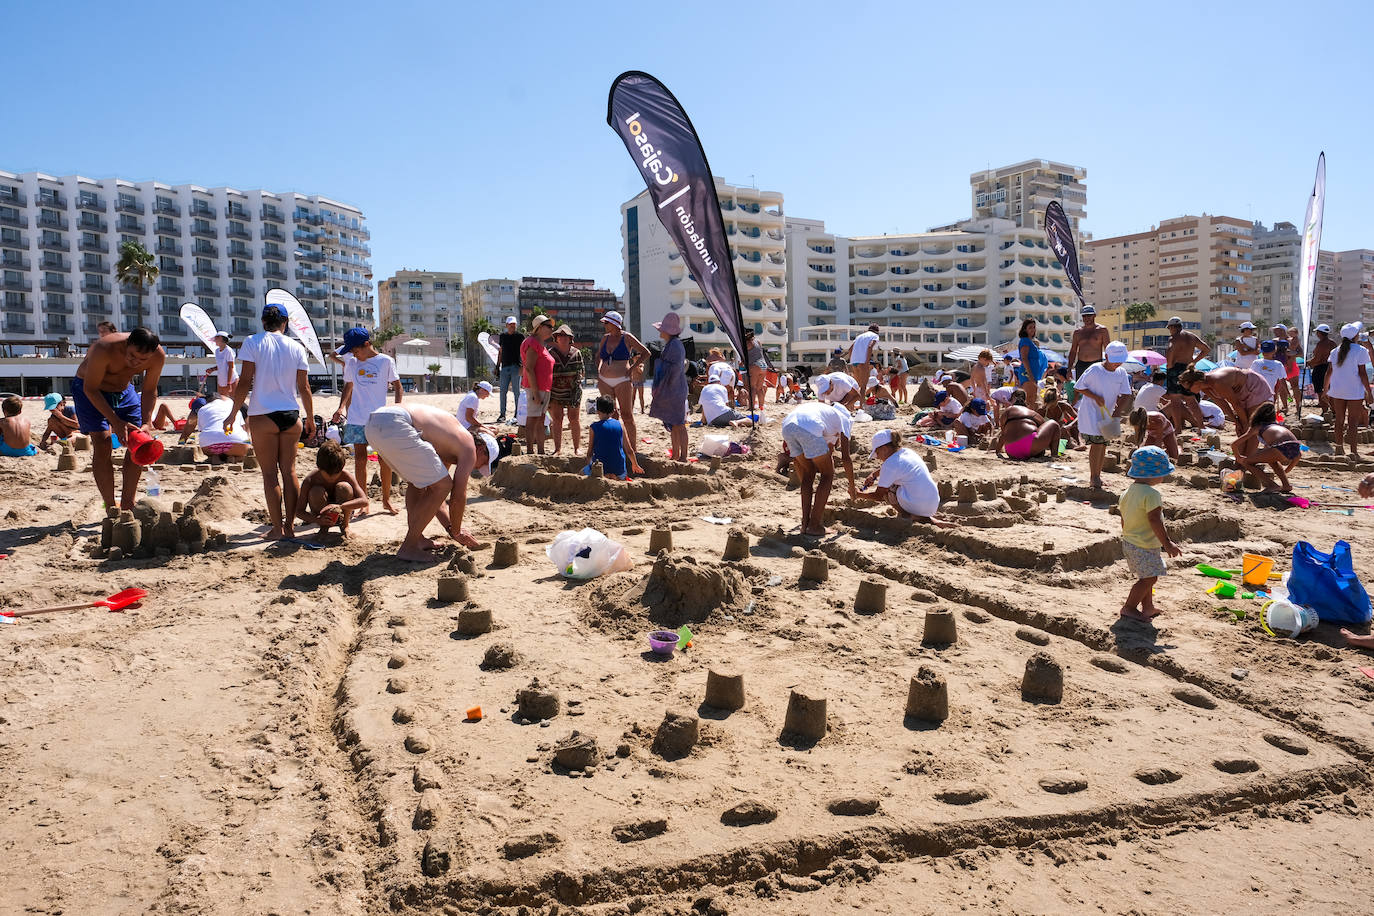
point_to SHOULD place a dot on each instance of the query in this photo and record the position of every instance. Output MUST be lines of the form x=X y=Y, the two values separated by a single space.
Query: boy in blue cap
x=367 y=376
x=61 y=420
x=1143 y=534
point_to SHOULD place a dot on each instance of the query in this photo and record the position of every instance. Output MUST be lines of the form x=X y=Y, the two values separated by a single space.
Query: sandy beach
x=282 y=729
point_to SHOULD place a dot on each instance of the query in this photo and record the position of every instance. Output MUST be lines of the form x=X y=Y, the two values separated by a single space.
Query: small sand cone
x=871 y=597
x=967 y=492
x=453 y=588
x=930 y=459
x=506 y=553
x=724 y=690
x=517 y=447
x=736 y=545
x=474 y=621
x=946 y=491
x=598 y=470
x=927 y=698
x=940 y=629
x=987 y=489
x=66 y=461
x=1043 y=680
x=250 y=462
x=806 y=716
x=815 y=566
x=81 y=443
x=660 y=539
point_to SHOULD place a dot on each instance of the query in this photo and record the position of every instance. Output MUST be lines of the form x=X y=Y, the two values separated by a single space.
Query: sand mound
x=218 y=499
x=561 y=480
x=678 y=590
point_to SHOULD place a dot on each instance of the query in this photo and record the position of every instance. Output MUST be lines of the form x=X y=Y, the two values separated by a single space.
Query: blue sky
x=474 y=138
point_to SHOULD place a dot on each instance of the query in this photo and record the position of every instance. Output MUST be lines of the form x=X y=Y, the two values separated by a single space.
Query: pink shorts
x=219 y=448
x=1020 y=450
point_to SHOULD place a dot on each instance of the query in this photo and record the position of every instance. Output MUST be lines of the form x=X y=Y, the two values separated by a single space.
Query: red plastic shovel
x=116 y=603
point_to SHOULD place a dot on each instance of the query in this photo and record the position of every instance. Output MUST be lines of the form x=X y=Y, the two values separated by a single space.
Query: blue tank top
x=608 y=446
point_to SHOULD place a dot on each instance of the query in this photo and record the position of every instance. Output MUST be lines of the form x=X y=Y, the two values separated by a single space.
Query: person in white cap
x=1320 y=363
x=508 y=362
x=838 y=388
x=1088 y=342
x=811 y=432
x=1348 y=389
x=715 y=399
x=1106 y=390
x=421 y=443
x=1247 y=345
x=225 y=376
x=618 y=351
x=903 y=480
x=471 y=405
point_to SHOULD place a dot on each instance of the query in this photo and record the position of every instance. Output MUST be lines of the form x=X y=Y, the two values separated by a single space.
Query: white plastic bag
x=587 y=554
x=862 y=416
x=715 y=446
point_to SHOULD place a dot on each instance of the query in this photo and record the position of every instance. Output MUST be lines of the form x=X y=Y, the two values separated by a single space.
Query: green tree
x=135 y=269
x=477 y=357
x=434 y=375
x=1138 y=313
x=382 y=335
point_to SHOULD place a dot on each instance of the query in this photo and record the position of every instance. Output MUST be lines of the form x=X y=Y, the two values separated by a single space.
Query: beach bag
x=883 y=410
x=504 y=444
x=1326 y=582
x=321 y=433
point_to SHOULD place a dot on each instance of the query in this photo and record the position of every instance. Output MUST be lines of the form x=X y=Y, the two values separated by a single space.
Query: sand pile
x=219 y=499
x=678 y=590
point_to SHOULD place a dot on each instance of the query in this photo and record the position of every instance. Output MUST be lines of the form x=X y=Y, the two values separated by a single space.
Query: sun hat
x=273 y=308
x=539 y=321
x=50 y=401
x=1350 y=331
x=880 y=438
x=1150 y=461
x=564 y=330
x=614 y=318
x=493 y=452
x=670 y=325
x=224 y=334
x=1324 y=328
x=1117 y=352
x=485 y=386
x=1175 y=322
x=1088 y=310
x=353 y=338
x=510 y=319
x=1247 y=325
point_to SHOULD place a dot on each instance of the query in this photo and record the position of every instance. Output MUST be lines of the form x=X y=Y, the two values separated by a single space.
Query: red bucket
x=143 y=448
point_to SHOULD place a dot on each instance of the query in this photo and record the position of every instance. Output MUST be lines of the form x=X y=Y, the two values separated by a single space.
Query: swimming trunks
x=1082 y=366
x=1020 y=450
x=1319 y=376
x=125 y=404
x=285 y=419
x=9 y=451
x=1172 y=385
x=1289 y=450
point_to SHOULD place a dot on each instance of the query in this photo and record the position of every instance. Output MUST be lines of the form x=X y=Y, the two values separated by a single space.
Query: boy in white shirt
x=1149 y=394
x=715 y=405
x=1269 y=368
x=471 y=404
x=225 y=376
x=367 y=376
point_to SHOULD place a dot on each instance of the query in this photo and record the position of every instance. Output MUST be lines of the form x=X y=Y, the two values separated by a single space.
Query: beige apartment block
x=493 y=299
x=423 y=303
x=1021 y=192
x=1351 y=287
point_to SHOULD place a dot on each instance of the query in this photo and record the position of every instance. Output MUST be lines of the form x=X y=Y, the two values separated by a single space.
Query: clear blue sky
x=474 y=138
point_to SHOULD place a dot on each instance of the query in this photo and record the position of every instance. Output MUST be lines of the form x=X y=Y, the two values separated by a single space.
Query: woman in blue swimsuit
x=616 y=358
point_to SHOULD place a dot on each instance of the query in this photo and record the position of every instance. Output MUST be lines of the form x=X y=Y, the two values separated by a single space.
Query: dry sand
x=282 y=730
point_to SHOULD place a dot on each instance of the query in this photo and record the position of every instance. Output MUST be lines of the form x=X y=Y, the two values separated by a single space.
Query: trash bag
x=587 y=554
x=715 y=446
x=1326 y=582
x=882 y=409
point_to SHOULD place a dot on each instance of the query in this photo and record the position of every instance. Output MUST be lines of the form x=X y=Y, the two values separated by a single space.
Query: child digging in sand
x=1142 y=529
x=332 y=495
x=608 y=441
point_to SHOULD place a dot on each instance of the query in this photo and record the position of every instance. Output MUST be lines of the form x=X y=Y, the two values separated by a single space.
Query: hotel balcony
x=129 y=205
x=52 y=221
x=204 y=231
x=13 y=260
x=17 y=219
x=49 y=198
x=54 y=244
x=16 y=284
x=95 y=286
x=170 y=288
x=167 y=207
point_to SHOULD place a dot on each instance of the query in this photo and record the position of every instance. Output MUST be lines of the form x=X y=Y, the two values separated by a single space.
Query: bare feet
x=417 y=555
x=387 y=508
x=1356 y=641
x=275 y=534
x=1134 y=613
x=815 y=531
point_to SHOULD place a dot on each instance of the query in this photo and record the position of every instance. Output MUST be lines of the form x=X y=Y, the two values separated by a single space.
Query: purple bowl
x=663 y=641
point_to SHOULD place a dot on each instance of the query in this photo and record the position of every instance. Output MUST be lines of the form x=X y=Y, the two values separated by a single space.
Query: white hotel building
x=657 y=281
x=220 y=248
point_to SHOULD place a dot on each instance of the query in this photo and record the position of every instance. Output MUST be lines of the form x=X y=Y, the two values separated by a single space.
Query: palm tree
x=136 y=269
x=434 y=375
x=477 y=364
x=1138 y=313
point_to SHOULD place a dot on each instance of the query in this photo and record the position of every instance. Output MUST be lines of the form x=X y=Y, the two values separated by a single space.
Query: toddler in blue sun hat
x=1143 y=534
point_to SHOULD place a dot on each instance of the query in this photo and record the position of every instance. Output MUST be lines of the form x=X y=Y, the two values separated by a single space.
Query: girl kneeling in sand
x=903 y=481
x=1153 y=428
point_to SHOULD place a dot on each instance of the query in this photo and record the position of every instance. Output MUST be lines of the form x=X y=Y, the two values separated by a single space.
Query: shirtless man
x=1088 y=342
x=1185 y=348
x=1320 y=364
x=421 y=443
x=15 y=431
x=105 y=401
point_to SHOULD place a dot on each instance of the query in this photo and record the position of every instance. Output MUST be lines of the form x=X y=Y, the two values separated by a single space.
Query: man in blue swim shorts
x=106 y=402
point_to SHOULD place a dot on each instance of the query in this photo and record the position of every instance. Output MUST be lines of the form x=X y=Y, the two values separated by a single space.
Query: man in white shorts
x=368 y=375
x=421 y=443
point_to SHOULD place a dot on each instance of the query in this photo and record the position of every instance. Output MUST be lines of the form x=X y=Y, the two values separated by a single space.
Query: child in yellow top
x=1143 y=533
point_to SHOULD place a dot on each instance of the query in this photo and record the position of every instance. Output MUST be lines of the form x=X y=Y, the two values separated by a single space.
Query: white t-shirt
x=1148 y=396
x=950 y=407
x=835 y=386
x=902 y=364
x=1003 y=394
x=714 y=401
x=1345 y=379
x=210 y=425
x=973 y=421
x=1110 y=384
x=863 y=345
x=225 y=371
x=1212 y=414
x=276 y=359
x=471 y=402
x=721 y=372
x=1247 y=361
x=829 y=421
x=906 y=475
x=371 y=378
x=1271 y=370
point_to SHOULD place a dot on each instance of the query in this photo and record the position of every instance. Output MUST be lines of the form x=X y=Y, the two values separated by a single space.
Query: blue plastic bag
x=1326 y=582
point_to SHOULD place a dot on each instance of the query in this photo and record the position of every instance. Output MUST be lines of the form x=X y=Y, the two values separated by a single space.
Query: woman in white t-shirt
x=272 y=376
x=470 y=405
x=1348 y=389
x=903 y=480
x=811 y=433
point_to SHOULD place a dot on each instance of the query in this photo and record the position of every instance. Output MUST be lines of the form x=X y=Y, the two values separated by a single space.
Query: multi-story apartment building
x=1274 y=274
x=1351 y=287
x=1189 y=263
x=493 y=300
x=422 y=303
x=657 y=280
x=577 y=303
x=220 y=248
x=1021 y=192
x=928 y=292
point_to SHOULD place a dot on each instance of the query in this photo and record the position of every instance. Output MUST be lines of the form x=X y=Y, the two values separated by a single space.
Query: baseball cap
x=1008 y=357
x=510 y=319
x=1176 y=322
x=354 y=337
x=493 y=452
x=614 y=318
x=880 y=438
x=1324 y=328
x=50 y=401
x=224 y=334
x=485 y=386
x=1247 y=325
x=1268 y=346
x=1350 y=331
x=1088 y=310
x=196 y=404
x=1117 y=352
x=272 y=308
x=1280 y=327
x=977 y=406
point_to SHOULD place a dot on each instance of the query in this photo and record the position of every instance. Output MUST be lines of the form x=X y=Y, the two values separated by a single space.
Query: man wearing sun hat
x=508 y=362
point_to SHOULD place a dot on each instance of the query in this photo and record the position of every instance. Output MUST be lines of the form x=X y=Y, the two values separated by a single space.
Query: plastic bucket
x=1284 y=618
x=1255 y=569
x=143 y=448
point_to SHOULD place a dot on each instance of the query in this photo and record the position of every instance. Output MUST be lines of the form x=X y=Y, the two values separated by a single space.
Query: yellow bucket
x=1255 y=569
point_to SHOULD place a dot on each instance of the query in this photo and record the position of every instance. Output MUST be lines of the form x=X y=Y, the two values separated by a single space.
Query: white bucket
x=961 y=441
x=1288 y=619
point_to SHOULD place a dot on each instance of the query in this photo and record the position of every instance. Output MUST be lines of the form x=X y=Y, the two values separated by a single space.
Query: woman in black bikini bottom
x=1268 y=442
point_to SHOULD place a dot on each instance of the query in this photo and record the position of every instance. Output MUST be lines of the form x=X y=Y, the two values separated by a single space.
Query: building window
x=415 y=297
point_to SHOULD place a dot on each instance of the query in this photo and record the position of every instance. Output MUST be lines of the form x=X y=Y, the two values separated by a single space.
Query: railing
x=48 y=198
x=51 y=326
x=171 y=288
x=14 y=261
x=131 y=225
x=205 y=250
x=238 y=232
x=90 y=202
x=166 y=247
x=204 y=232
x=17 y=327
x=61 y=308
x=175 y=269
x=12 y=198
x=18 y=220
x=169 y=208
x=134 y=206
x=97 y=286
x=272 y=233
x=91 y=223
x=206 y=289
x=59 y=244
x=17 y=284
x=200 y=208
x=51 y=221
x=272 y=214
